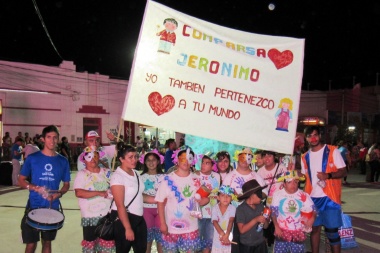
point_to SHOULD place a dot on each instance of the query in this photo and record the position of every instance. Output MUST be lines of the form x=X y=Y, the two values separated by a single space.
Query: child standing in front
x=223 y=215
x=249 y=216
x=293 y=214
x=210 y=180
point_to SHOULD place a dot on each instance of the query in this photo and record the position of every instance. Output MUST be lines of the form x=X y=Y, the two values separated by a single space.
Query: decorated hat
x=246 y=151
x=188 y=150
x=250 y=187
x=238 y=152
x=89 y=153
x=92 y=134
x=160 y=157
x=289 y=176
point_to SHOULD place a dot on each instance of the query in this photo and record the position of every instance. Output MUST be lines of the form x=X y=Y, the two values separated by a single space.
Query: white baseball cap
x=92 y=134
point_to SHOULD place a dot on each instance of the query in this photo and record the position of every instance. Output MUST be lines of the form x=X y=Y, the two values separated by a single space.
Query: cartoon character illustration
x=167 y=36
x=284 y=114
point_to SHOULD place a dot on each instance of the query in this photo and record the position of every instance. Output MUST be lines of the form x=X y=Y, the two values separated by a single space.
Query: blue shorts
x=329 y=213
x=206 y=232
x=285 y=247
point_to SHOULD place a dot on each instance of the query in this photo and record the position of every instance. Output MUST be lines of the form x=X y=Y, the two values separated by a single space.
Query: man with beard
x=324 y=167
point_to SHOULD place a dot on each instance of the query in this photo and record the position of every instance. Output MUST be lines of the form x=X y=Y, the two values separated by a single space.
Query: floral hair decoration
x=154 y=151
x=226 y=189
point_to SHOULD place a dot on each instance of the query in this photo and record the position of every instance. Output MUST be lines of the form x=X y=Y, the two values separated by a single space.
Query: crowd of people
x=246 y=205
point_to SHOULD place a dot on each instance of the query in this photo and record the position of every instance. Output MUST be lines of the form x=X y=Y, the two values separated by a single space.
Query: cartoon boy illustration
x=284 y=114
x=167 y=36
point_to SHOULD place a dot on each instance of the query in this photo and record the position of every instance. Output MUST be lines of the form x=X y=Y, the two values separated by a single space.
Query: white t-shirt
x=289 y=208
x=106 y=154
x=212 y=182
x=223 y=220
x=86 y=180
x=270 y=178
x=151 y=183
x=179 y=192
x=236 y=180
x=223 y=176
x=316 y=166
x=120 y=177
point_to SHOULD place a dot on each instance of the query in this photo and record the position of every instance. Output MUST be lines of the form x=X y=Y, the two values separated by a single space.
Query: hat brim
x=92 y=137
x=249 y=193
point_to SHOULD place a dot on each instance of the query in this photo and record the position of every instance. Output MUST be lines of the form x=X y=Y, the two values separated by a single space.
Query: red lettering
x=184 y=33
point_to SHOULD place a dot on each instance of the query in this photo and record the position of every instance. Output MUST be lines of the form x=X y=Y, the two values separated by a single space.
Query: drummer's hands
x=129 y=234
x=54 y=196
x=43 y=191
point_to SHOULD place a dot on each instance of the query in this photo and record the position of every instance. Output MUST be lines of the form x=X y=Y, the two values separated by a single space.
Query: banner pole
x=117 y=139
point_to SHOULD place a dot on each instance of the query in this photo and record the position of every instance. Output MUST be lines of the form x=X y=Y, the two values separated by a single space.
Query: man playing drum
x=42 y=174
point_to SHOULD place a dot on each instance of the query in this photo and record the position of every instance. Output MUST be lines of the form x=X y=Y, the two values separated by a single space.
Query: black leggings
x=138 y=225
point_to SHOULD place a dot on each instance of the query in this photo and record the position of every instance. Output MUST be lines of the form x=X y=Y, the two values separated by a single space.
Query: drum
x=45 y=219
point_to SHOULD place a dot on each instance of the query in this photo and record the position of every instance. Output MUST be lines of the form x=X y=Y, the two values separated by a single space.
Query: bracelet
x=60 y=194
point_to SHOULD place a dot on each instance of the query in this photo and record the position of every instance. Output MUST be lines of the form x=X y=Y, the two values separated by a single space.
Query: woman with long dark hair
x=127 y=188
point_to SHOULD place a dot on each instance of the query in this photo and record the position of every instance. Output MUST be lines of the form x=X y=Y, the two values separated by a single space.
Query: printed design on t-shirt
x=291 y=209
x=197 y=182
x=210 y=181
x=174 y=189
x=178 y=223
x=191 y=204
x=96 y=182
x=48 y=175
x=303 y=196
x=239 y=182
x=148 y=185
x=186 y=191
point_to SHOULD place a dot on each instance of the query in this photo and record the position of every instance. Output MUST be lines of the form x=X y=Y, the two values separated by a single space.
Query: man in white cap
x=106 y=153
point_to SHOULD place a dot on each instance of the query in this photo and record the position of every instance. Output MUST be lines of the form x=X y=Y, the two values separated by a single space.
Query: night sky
x=342 y=38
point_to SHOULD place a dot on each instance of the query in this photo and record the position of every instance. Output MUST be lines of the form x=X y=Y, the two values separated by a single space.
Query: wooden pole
x=117 y=138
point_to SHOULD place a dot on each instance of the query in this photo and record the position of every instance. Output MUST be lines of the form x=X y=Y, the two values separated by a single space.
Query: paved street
x=361 y=202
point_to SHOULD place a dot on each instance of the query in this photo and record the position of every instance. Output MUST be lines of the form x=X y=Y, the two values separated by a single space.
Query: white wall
x=68 y=92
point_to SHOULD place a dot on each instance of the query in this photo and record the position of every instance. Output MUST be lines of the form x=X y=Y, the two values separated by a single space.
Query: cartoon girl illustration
x=167 y=36
x=284 y=114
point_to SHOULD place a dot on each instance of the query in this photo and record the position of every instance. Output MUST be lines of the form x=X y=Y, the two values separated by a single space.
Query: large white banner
x=195 y=77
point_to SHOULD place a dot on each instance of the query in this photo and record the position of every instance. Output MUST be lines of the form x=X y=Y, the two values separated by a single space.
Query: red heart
x=159 y=104
x=279 y=59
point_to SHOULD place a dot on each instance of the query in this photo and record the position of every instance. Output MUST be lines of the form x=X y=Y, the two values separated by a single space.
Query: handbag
x=104 y=228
